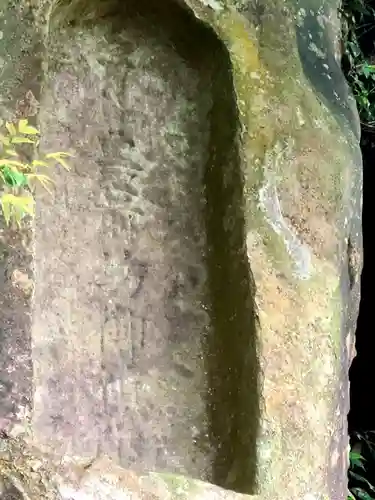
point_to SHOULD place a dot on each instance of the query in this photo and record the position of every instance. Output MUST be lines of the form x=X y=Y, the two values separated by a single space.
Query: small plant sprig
x=17 y=175
x=358 y=17
x=357 y=472
x=362 y=80
x=360 y=458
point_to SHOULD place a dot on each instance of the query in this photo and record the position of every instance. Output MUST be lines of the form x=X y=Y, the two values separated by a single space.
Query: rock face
x=196 y=274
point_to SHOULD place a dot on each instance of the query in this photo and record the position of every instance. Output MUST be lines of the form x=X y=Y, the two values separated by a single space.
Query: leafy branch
x=18 y=176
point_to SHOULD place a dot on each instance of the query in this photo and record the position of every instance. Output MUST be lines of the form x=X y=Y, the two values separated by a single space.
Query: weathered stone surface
x=118 y=316
x=196 y=275
x=20 y=70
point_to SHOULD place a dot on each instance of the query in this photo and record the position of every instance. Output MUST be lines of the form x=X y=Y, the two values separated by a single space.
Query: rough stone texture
x=119 y=317
x=196 y=274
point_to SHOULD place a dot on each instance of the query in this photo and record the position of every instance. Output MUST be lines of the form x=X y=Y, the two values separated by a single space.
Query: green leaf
x=11 y=128
x=59 y=154
x=368 y=69
x=64 y=164
x=11 y=152
x=43 y=179
x=356 y=459
x=361 y=479
x=365 y=70
x=4 y=140
x=361 y=494
x=59 y=158
x=25 y=128
x=13 y=177
x=22 y=124
x=22 y=140
x=6 y=207
x=39 y=163
x=16 y=207
x=30 y=130
x=13 y=163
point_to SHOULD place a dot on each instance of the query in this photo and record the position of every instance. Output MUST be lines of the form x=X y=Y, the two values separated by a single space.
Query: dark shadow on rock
x=362 y=416
x=320 y=66
x=231 y=346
